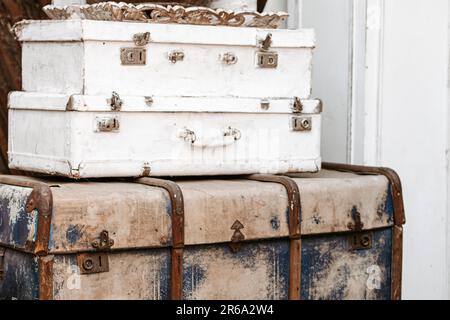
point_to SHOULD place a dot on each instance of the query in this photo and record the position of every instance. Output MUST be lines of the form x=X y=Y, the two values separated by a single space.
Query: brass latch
x=142 y=39
x=133 y=56
x=265 y=58
x=301 y=123
x=96 y=262
x=2 y=263
x=107 y=124
x=360 y=240
x=115 y=102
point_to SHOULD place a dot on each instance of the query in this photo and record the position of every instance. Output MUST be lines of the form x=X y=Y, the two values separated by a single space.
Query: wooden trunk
x=329 y=235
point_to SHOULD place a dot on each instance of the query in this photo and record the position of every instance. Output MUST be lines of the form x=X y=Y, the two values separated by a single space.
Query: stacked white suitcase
x=121 y=99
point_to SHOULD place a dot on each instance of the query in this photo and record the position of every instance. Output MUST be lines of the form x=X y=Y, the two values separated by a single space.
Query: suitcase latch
x=360 y=241
x=115 y=102
x=237 y=237
x=107 y=124
x=2 y=263
x=301 y=123
x=133 y=56
x=175 y=56
x=141 y=39
x=97 y=262
x=265 y=58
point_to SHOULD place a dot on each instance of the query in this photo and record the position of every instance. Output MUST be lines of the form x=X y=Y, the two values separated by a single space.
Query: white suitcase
x=83 y=136
x=88 y=57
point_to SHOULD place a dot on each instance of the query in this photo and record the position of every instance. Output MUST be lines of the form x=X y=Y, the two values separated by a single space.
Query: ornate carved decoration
x=153 y=13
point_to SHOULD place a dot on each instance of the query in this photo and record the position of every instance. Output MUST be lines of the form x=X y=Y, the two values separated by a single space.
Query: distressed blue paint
x=287 y=213
x=21 y=228
x=14 y=233
x=275 y=223
x=51 y=241
x=248 y=257
x=165 y=275
x=21 y=278
x=314 y=262
x=74 y=233
x=196 y=276
x=389 y=205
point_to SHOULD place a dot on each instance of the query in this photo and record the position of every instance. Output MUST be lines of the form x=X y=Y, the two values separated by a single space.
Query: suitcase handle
x=212 y=138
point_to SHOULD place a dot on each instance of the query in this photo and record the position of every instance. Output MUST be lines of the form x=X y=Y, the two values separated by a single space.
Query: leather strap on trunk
x=176 y=197
x=40 y=199
x=295 y=217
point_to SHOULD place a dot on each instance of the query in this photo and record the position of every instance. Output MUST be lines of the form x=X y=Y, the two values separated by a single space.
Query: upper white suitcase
x=144 y=59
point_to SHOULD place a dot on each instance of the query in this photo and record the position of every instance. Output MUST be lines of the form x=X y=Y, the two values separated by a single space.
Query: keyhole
x=130 y=57
x=100 y=261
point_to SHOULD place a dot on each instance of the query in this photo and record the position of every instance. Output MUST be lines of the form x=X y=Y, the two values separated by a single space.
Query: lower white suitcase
x=95 y=136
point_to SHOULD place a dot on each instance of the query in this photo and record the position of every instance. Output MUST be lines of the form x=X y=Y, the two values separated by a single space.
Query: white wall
x=332 y=79
x=413 y=134
x=382 y=69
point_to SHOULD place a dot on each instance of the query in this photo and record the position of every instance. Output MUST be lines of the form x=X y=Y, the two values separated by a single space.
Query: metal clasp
x=97 y=262
x=297 y=106
x=237 y=237
x=103 y=242
x=360 y=241
x=133 y=56
x=175 y=56
x=229 y=58
x=266 y=43
x=265 y=104
x=301 y=123
x=107 y=124
x=233 y=132
x=141 y=39
x=115 y=102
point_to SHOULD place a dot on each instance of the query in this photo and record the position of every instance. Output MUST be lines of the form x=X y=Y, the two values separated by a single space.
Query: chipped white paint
x=212 y=207
x=15 y=198
x=324 y=212
x=171 y=136
x=93 y=49
x=134 y=215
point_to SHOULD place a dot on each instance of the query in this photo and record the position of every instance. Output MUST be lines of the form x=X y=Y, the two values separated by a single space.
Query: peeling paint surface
x=16 y=225
x=330 y=271
x=136 y=275
x=21 y=280
x=259 y=270
x=328 y=199
x=135 y=215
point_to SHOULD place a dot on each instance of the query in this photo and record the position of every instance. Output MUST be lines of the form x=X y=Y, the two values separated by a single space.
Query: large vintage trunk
x=82 y=137
x=329 y=235
x=146 y=59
